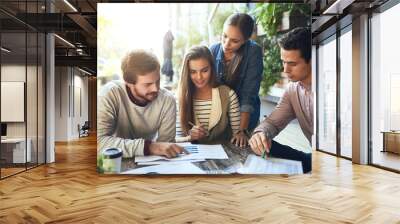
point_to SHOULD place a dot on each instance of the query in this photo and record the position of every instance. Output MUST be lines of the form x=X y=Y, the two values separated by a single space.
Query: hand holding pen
x=197 y=132
x=260 y=144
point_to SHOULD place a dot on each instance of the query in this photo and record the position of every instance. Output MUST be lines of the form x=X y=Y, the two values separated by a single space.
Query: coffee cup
x=112 y=160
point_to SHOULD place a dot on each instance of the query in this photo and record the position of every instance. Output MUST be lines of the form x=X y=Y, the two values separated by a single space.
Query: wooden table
x=236 y=159
x=391 y=141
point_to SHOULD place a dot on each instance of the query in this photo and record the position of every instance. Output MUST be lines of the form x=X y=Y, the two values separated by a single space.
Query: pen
x=197 y=127
x=264 y=154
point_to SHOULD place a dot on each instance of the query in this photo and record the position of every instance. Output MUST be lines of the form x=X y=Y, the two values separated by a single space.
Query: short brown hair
x=298 y=39
x=138 y=62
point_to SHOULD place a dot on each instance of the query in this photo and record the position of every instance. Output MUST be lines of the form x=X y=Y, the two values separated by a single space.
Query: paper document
x=257 y=165
x=158 y=162
x=196 y=152
x=173 y=168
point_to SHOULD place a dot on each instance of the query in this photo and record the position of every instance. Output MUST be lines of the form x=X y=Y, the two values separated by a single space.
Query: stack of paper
x=168 y=168
x=183 y=164
x=196 y=153
x=257 y=165
x=158 y=162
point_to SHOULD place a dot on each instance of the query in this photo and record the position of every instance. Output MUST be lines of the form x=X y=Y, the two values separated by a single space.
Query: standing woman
x=208 y=112
x=239 y=65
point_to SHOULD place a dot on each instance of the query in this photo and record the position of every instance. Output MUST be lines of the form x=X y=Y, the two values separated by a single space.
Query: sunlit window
x=327 y=96
x=385 y=84
x=346 y=94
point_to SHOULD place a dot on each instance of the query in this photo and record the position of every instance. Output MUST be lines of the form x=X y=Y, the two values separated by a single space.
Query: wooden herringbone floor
x=70 y=191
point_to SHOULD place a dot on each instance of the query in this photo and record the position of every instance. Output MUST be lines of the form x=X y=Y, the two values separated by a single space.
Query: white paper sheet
x=257 y=165
x=197 y=152
x=168 y=168
x=158 y=162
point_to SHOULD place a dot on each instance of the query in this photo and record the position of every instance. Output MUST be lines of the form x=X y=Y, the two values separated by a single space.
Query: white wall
x=34 y=124
x=12 y=73
x=71 y=94
x=61 y=103
x=80 y=110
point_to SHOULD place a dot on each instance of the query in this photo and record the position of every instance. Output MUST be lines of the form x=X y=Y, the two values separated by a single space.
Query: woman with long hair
x=208 y=112
x=239 y=65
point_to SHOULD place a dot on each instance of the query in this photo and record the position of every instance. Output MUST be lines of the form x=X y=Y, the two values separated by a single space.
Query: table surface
x=13 y=140
x=237 y=157
x=391 y=132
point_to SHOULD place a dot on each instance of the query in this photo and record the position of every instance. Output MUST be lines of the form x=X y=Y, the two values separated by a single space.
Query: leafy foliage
x=272 y=66
x=269 y=16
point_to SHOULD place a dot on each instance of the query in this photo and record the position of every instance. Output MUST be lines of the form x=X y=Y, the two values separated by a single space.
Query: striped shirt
x=202 y=109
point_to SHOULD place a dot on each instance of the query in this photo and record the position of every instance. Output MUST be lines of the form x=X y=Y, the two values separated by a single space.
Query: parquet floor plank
x=70 y=191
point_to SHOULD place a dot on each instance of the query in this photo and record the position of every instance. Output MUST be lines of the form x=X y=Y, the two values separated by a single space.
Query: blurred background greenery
x=191 y=24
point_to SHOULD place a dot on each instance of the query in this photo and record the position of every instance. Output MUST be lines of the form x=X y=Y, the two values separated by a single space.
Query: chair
x=84 y=130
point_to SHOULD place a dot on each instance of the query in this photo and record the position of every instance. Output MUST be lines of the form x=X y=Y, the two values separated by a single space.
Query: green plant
x=272 y=67
x=100 y=164
x=269 y=16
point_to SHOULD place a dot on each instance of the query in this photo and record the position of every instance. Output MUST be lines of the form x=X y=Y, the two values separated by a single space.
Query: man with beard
x=296 y=103
x=135 y=115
